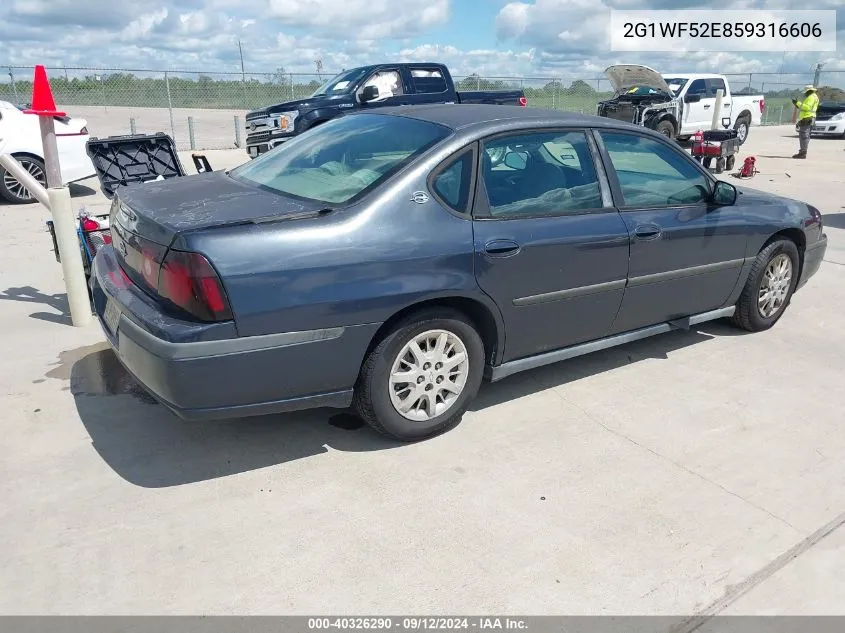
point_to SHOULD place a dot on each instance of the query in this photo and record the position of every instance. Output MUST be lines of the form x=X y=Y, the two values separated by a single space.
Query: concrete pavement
x=697 y=472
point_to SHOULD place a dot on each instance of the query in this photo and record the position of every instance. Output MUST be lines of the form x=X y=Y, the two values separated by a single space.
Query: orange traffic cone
x=42 y=96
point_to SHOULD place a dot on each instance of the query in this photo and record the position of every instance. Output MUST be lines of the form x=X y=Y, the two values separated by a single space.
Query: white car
x=829 y=125
x=20 y=136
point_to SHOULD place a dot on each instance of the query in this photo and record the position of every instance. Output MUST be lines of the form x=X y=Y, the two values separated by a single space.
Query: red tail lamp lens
x=523 y=101
x=189 y=281
x=90 y=225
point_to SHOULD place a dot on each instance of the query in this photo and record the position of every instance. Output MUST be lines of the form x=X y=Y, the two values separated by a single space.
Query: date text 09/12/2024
x=417 y=623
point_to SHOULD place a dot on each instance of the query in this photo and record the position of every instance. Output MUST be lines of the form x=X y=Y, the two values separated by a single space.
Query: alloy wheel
x=775 y=285
x=16 y=189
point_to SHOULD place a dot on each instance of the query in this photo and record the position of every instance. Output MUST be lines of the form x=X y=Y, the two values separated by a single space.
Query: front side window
x=540 y=174
x=342 y=159
x=388 y=82
x=652 y=174
x=698 y=87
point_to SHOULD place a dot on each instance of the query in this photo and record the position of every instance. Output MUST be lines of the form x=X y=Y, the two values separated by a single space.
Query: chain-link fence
x=205 y=110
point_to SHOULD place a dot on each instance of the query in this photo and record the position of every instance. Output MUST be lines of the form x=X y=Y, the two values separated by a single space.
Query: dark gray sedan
x=393 y=260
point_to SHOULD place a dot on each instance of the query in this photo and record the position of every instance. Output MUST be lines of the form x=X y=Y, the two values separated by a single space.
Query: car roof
x=466 y=117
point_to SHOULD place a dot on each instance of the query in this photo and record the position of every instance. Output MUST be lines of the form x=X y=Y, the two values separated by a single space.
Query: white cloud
x=362 y=18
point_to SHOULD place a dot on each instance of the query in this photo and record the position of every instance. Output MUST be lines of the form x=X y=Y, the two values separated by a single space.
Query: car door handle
x=707 y=106
x=501 y=248
x=647 y=231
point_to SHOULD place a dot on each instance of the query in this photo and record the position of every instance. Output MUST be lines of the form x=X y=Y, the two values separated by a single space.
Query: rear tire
x=14 y=192
x=420 y=378
x=769 y=287
x=742 y=127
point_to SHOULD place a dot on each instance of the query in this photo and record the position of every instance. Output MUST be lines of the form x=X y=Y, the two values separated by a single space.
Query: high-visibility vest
x=807 y=107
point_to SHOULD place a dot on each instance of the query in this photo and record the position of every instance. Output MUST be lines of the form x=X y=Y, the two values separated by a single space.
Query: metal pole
x=132 y=128
x=170 y=106
x=191 y=132
x=14 y=86
x=103 y=87
x=65 y=227
x=237 y=131
x=780 y=114
x=291 y=87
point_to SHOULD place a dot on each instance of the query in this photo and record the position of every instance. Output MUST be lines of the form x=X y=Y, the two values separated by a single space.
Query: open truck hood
x=626 y=76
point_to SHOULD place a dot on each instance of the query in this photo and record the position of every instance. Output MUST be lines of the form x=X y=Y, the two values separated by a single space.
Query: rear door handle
x=707 y=107
x=501 y=248
x=647 y=231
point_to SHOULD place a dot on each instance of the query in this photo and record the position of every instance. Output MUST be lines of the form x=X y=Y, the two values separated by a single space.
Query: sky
x=538 y=38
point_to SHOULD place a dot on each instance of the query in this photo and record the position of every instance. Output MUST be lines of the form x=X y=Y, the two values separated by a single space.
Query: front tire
x=769 y=287
x=421 y=377
x=13 y=191
x=666 y=129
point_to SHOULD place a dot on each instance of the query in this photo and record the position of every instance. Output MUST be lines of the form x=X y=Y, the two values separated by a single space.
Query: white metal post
x=717 y=112
x=65 y=227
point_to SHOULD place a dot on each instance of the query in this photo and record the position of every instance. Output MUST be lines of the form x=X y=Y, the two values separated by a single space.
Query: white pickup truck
x=677 y=105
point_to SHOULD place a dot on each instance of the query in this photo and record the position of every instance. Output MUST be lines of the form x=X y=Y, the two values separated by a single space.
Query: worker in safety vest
x=806 y=117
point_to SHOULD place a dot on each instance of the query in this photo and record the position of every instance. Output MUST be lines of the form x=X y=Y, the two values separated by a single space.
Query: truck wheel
x=666 y=129
x=730 y=162
x=421 y=377
x=720 y=165
x=742 y=127
x=705 y=161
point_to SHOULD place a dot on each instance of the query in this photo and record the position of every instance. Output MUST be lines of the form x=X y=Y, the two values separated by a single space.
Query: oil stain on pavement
x=93 y=370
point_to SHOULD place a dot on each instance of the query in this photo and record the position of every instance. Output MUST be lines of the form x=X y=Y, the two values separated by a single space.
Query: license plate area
x=253 y=151
x=111 y=315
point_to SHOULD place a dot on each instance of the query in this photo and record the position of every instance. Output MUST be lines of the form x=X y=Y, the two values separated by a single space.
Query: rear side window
x=452 y=182
x=428 y=80
x=717 y=84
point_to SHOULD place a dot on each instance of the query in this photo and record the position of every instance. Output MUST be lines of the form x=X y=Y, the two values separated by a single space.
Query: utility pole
x=241 y=51
x=819 y=67
x=243 y=72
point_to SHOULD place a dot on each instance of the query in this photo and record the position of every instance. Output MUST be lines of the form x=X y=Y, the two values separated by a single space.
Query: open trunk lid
x=132 y=159
x=627 y=76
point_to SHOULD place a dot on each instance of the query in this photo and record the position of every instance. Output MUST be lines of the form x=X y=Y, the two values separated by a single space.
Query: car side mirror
x=369 y=93
x=724 y=194
x=692 y=98
x=516 y=160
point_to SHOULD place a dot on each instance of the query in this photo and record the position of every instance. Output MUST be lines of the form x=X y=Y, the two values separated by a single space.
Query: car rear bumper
x=813 y=257
x=229 y=377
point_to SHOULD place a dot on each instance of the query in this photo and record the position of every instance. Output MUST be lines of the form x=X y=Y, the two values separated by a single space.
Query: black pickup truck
x=364 y=87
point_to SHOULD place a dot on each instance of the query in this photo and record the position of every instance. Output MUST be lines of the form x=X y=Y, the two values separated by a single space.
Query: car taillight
x=90 y=225
x=762 y=105
x=523 y=101
x=188 y=281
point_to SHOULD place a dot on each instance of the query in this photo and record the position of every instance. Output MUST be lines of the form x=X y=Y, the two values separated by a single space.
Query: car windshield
x=342 y=159
x=675 y=83
x=340 y=84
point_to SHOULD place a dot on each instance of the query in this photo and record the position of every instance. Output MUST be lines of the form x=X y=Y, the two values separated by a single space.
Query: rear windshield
x=342 y=159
